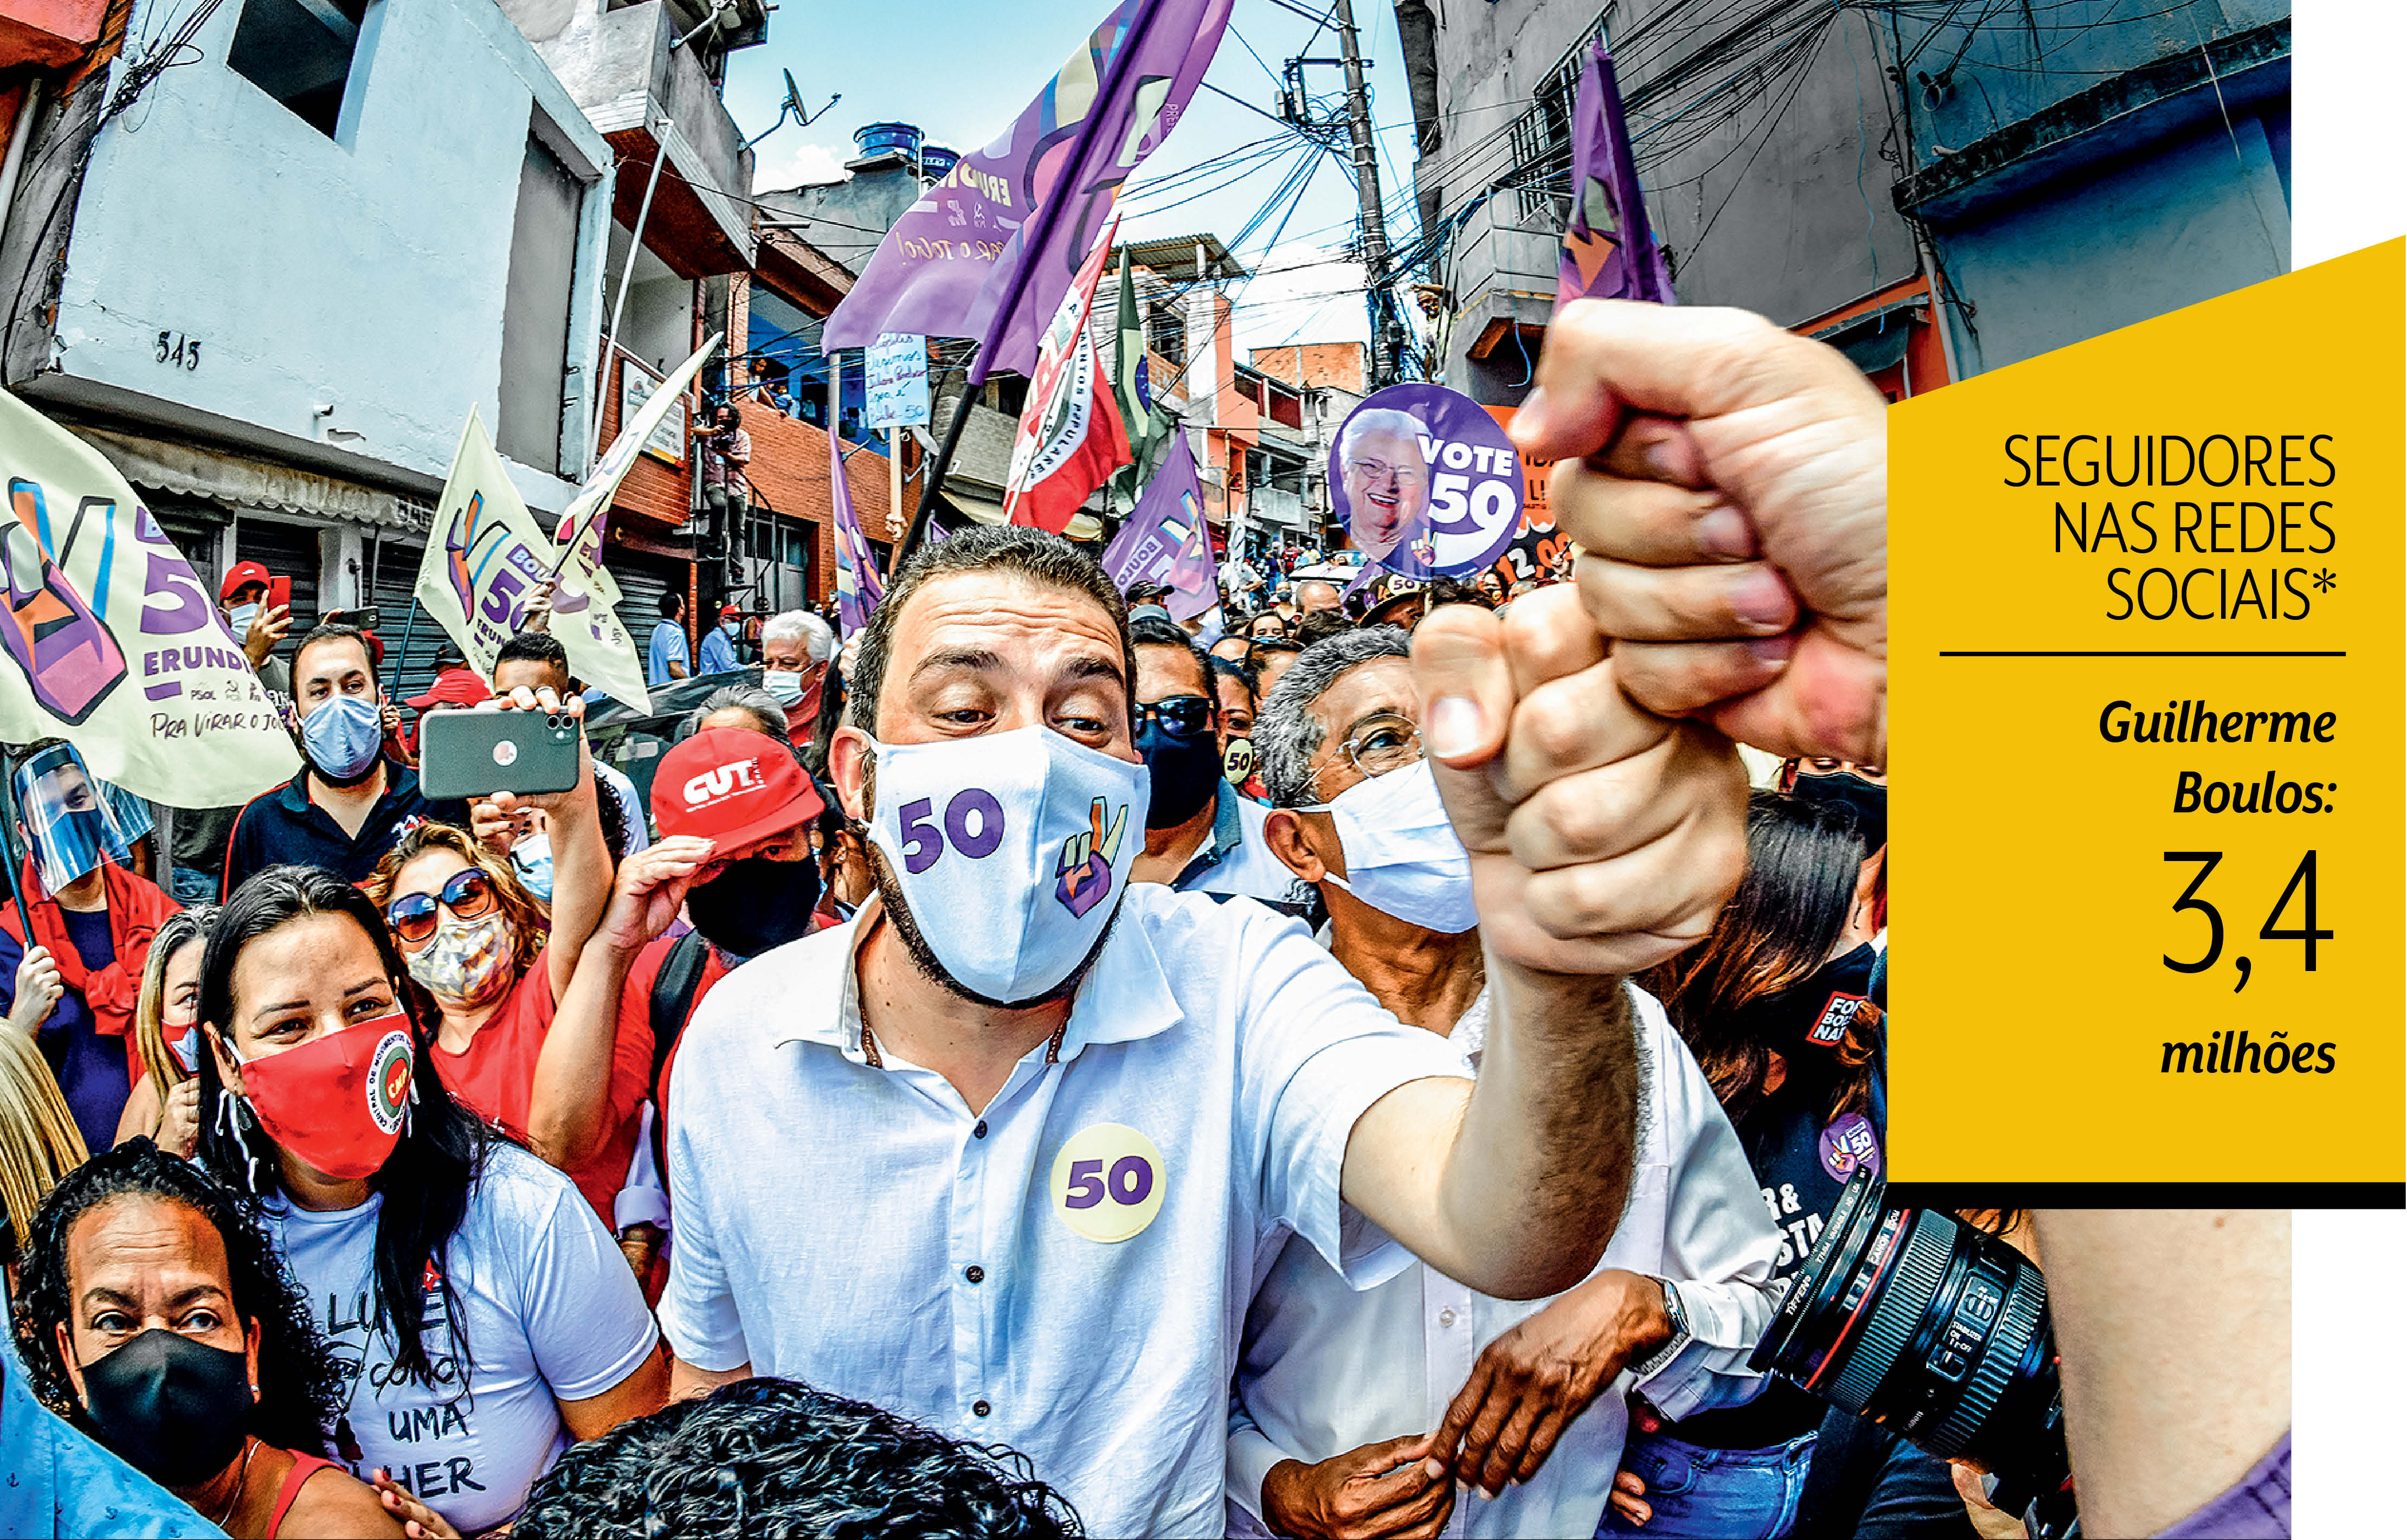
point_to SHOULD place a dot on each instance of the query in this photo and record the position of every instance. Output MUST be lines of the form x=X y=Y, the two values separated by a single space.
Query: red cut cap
x=241 y=575
x=733 y=786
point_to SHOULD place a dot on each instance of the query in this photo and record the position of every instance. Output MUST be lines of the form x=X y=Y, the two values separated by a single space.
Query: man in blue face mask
x=1338 y=1388
x=351 y=803
x=1064 y=1112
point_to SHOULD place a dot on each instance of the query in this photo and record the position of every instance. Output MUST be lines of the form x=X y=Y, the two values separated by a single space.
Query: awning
x=248 y=483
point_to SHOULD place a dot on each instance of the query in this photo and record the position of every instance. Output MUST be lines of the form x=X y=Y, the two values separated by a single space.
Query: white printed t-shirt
x=1066 y=1273
x=550 y=1311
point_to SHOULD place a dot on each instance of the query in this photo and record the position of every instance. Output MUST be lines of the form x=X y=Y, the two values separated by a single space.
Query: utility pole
x=1366 y=182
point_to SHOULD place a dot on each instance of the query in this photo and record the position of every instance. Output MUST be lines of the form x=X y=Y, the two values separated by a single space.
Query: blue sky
x=961 y=70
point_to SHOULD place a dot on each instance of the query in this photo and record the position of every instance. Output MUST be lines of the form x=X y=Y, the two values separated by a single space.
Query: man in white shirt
x=1353 y=1408
x=999 y=1153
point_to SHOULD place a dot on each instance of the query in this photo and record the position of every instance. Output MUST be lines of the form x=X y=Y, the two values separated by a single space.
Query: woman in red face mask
x=491 y=1318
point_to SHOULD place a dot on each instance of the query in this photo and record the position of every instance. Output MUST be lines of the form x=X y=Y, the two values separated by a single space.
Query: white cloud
x=797 y=163
x=1300 y=293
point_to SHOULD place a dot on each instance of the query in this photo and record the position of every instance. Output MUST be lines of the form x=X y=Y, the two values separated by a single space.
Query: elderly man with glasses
x=1351 y=1405
x=1201 y=835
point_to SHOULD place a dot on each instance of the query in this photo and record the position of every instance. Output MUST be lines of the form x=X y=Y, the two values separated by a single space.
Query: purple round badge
x=1427 y=482
x=1848 y=1142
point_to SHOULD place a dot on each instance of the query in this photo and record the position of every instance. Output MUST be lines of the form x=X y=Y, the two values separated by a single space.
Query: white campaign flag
x=113 y=642
x=486 y=557
x=588 y=515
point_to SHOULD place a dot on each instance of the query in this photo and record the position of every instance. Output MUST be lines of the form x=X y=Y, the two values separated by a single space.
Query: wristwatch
x=1681 y=1337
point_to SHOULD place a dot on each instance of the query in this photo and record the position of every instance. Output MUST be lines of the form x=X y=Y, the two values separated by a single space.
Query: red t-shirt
x=496 y=1077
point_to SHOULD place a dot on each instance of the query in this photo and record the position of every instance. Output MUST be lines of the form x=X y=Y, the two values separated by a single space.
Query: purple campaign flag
x=988 y=251
x=1165 y=539
x=1609 y=249
x=857 y=585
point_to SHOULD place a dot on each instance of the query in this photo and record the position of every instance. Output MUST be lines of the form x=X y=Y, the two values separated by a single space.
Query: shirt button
x=979 y=1132
x=980 y=1409
x=1445 y=1318
x=975 y=1273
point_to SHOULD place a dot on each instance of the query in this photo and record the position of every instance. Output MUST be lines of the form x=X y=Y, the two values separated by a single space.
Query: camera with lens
x=1919 y=1321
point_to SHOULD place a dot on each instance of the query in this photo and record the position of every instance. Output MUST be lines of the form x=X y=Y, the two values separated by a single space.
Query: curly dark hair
x=300 y=1385
x=775 y=1458
x=425 y=1181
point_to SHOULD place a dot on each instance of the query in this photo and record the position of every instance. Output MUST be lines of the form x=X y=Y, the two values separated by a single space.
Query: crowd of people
x=1363 y=1067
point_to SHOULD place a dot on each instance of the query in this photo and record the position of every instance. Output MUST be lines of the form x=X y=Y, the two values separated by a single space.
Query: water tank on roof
x=876 y=139
x=936 y=163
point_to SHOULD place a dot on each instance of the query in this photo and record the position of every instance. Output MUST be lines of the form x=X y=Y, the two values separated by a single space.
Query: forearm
x=1514 y=1185
x=687 y=1382
x=580 y=881
x=2152 y=1311
x=569 y=1105
x=1541 y=1168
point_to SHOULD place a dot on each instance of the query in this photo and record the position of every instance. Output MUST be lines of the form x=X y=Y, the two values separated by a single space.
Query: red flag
x=1070 y=438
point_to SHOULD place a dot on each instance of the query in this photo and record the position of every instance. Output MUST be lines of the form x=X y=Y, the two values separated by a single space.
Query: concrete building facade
x=1938 y=194
x=378 y=216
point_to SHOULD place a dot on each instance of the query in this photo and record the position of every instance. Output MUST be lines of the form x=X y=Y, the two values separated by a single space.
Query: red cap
x=453 y=688
x=726 y=610
x=733 y=786
x=241 y=575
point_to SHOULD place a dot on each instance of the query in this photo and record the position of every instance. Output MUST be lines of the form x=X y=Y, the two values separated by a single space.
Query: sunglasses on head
x=469 y=896
x=1181 y=715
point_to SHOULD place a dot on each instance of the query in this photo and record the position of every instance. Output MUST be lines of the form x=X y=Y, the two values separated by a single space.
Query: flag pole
x=1039 y=238
x=8 y=843
x=401 y=654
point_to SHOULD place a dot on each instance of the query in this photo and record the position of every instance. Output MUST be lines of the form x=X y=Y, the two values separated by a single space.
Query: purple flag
x=1165 y=540
x=988 y=252
x=1609 y=251
x=857 y=585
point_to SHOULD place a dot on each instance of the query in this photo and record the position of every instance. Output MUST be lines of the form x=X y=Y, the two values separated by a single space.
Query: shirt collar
x=1227 y=833
x=1124 y=998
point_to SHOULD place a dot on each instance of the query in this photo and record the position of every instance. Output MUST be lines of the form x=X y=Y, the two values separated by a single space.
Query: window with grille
x=1541 y=140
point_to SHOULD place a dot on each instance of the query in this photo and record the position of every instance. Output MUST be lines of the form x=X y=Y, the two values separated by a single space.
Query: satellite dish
x=794 y=97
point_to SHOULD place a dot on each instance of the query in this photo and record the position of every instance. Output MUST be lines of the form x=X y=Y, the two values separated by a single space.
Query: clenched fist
x=1729 y=483
x=1604 y=839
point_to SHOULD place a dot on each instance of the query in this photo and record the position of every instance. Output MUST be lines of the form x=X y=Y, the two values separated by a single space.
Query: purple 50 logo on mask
x=1010 y=850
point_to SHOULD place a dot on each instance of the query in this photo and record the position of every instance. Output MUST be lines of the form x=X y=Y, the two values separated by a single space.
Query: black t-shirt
x=1803 y=1157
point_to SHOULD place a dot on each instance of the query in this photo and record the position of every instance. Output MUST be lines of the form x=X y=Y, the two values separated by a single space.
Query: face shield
x=69 y=827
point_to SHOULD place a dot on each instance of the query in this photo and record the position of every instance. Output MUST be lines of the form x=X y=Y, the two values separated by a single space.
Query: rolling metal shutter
x=286 y=550
x=393 y=572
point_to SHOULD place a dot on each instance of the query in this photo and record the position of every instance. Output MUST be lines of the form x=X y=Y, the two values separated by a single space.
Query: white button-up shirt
x=1327 y=1368
x=861 y=1229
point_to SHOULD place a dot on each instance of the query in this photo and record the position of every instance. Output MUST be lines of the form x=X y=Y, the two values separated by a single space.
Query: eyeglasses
x=1379 y=470
x=1181 y=715
x=1383 y=742
x=469 y=896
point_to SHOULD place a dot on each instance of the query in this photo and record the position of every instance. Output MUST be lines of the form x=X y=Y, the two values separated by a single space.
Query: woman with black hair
x=1780 y=1005
x=155 y=1316
x=490 y=1317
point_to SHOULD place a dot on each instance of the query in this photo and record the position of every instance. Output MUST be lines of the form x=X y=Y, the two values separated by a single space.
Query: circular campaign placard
x=1427 y=482
x=1108 y=1182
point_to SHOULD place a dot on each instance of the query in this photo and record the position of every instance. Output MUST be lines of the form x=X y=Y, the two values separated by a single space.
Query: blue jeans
x=190 y=887
x=1714 y=1494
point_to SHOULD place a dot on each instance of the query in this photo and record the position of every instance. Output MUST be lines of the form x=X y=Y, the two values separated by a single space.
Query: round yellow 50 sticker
x=1108 y=1182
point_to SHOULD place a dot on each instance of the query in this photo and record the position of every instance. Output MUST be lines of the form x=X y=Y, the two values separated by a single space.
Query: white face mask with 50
x=1012 y=851
x=1401 y=855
